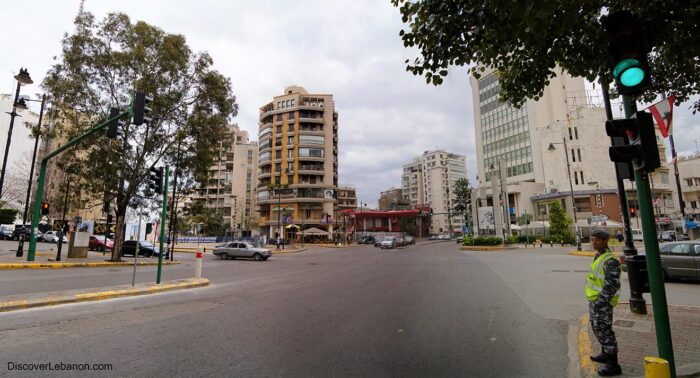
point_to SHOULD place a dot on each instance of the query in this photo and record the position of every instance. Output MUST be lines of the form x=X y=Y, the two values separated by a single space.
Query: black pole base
x=20 y=249
x=638 y=306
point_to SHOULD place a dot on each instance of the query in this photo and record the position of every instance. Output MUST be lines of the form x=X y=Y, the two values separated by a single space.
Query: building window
x=690 y=182
x=573 y=155
x=664 y=177
x=311 y=152
x=311 y=139
x=278 y=117
x=290 y=141
x=693 y=205
x=579 y=154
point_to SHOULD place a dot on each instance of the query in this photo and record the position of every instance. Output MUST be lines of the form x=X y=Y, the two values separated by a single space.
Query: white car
x=52 y=237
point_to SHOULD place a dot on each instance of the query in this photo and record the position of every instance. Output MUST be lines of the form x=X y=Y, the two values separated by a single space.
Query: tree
x=8 y=216
x=462 y=191
x=525 y=40
x=559 y=222
x=100 y=67
x=524 y=219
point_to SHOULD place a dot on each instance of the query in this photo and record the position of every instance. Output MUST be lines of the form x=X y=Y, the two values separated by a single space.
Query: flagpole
x=681 y=203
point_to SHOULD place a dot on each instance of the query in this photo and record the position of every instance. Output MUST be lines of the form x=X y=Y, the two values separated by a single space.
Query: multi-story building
x=689 y=175
x=506 y=133
x=229 y=189
x=298 y=162
x=393 y=199
x=347 y=198
x=438 y=171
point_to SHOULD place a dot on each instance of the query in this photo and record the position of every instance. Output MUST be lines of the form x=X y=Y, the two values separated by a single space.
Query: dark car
x=678 y=259
x=145 y=248
x=366 y=240
x=273 y=241
x=667 y=236
x=27 y=232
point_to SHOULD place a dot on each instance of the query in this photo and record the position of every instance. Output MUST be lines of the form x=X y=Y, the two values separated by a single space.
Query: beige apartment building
x=298 y=163
x=393 y=199
x=230 y=188
x=429 y=181
x=347 y=198
x=689 y=174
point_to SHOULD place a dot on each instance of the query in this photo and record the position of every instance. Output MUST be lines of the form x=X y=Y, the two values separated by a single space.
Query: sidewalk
x=45 y=258
x=636 y=339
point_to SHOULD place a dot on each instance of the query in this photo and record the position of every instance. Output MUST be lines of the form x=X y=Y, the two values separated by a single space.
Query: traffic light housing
x=156 y=177
x=633 y=212
x=627 y=52
x=45 y=208
x=641 y=149
x=113 y=126
x=141 y=108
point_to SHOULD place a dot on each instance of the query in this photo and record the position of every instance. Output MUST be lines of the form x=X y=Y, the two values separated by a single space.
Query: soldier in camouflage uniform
x=603 y=292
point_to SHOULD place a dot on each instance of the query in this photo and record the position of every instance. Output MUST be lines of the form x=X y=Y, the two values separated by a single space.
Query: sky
x=348 y=48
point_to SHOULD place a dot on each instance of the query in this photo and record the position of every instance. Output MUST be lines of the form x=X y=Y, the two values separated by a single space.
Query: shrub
x=512 y=239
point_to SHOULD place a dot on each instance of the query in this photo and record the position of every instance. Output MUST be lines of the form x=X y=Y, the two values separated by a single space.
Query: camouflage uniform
x=601 y=311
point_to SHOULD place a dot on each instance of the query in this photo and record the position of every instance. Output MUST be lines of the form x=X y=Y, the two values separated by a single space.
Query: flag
x=662 y=112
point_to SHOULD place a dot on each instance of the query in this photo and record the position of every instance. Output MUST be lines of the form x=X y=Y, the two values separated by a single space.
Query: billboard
x=486 y=217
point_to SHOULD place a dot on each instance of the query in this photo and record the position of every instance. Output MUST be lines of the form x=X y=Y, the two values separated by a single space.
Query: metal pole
x=20 y=246
x=573 y=199
x=12 y=114
x=138 y=244
x=63 y=219
x=279 y=213
x=681 y=203
x=171 y=231
x=163 y=218
x=637 y=302
x=655 y=272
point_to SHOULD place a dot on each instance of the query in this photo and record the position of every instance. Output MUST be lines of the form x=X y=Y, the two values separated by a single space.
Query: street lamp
x=20 y=246
x=571 y=187
x=18 y=104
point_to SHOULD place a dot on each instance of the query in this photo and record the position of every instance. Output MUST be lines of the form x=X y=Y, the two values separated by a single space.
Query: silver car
x=388 y=242
x=235 y=249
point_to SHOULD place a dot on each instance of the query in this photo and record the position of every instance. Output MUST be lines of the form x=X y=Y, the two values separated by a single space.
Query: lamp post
x=20 y=246
x=364 y=220
x=22 y=78
x=571 y=187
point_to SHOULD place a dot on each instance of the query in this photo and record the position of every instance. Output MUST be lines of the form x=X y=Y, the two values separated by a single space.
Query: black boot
x=611 y=367
x=602 y=357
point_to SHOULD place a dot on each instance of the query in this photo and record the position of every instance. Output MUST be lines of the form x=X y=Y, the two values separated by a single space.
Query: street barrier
x=198 y=263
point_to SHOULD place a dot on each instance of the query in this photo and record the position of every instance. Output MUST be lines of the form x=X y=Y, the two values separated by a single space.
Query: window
x=292 y=102
x=689 y=182
x=311 y=139
x=693 y=204
x=290 y=166
x=573 y=155
x=680 y=249
x=264 y=156
x=311 y=152
x=278 y=117
x=579 y=154
x=290 y=141
x=576 y=132
x=287 y=103
x=664 y=177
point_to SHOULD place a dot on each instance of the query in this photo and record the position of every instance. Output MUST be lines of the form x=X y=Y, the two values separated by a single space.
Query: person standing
x=603 y=293
x=620 y=238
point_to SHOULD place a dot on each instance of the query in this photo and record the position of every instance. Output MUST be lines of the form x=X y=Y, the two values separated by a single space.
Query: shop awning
x=691 y=224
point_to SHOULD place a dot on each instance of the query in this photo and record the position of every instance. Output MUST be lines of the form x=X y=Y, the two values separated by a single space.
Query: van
x=6 y=231
x=637 y=235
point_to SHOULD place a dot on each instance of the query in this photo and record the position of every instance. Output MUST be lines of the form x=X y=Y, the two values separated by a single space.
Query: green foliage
x=462 y=199
x=483 y=241
x=512 y=239
x=525 y=40
x=559 y=222
x=8 y=216
x=523 y=219
x=101 y=64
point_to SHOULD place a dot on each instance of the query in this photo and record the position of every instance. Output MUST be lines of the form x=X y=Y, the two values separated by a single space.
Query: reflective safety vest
x=596 y=278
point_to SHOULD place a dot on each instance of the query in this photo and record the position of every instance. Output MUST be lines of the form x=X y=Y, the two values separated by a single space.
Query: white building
x=429 y=180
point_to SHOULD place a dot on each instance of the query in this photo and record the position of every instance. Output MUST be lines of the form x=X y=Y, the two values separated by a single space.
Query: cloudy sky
x=349 y=48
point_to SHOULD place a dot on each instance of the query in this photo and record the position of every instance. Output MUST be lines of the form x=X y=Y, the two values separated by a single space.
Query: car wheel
x=667 y=278
x=224 y=256
x=257 y=257
x=265 y=258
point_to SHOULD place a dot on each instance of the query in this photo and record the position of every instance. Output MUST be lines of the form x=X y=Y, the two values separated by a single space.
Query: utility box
x=78 y=245
x=637 y=273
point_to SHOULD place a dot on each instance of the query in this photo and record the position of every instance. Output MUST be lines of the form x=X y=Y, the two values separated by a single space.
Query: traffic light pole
x=42 y=176
x=637 y=302
x=651 y=247
x=163 y=218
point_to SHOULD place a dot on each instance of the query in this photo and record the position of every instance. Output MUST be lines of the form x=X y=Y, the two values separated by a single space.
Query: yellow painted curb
x=584 y=349
x=52 y=299
x=589 y=253
x=60 y=265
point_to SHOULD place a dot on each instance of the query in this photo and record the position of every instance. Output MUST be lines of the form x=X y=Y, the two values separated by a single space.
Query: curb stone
x=96 y=264
x=25 y=301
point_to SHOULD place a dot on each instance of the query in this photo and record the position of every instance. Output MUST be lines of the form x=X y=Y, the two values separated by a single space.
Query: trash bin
x=637 y=273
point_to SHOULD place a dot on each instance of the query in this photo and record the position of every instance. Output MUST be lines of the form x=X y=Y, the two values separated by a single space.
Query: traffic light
x=141 y=109
x=113 y=127
x=628 y=53
x=149 y=228
x=45 y=208
x=633 y=212
x=156 y=177
x=641 y=150
x=431 y=211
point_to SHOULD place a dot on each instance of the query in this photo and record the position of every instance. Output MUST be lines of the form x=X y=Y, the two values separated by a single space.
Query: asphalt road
x=422 y=311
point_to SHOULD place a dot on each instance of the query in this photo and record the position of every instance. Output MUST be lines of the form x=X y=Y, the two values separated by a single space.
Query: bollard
x=655 y=367
x=198 y=263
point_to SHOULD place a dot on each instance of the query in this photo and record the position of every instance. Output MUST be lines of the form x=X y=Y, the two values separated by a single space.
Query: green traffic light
x=629 y=72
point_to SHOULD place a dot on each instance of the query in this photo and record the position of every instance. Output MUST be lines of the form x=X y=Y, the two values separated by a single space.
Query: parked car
x=6 y=231
x=145 y=248
x=637 y=235
x=432 y=237
x=97 y=243
x=366 y=240
x=389 y=242
x=378 y=242
x=409 y=240
x=20 y=231
x=273 y=241
x=242 y=249
x=678 y=259
x=52 y=237
x=667 y=236
x=444 y=237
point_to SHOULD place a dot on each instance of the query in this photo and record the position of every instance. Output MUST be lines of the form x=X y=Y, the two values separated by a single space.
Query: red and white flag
x=662 y=112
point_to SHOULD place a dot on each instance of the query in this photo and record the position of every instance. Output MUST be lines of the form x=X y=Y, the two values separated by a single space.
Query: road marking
x=584 y=349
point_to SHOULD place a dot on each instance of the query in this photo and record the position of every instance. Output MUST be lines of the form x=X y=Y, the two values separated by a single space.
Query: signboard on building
x=486 y=218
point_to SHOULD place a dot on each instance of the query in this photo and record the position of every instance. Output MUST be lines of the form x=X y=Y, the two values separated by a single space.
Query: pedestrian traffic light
x=641 y=150
x=156 y=177
x=141 y=108
x=633 y=212
x=628 y=52
x=149 y=228
x=45 y=208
